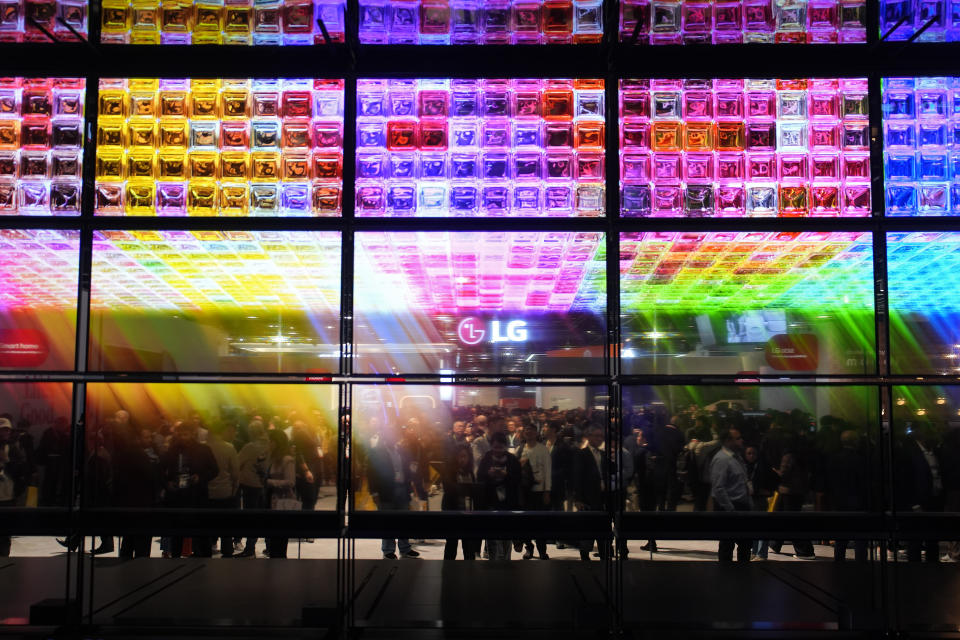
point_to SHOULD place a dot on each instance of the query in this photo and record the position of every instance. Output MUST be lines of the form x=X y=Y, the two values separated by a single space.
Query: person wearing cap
x=12 y=464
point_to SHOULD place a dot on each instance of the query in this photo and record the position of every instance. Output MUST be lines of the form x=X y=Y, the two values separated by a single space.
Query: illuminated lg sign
x=471 y=331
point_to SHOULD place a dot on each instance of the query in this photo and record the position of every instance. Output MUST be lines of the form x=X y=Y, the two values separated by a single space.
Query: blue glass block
x=931 y=104
x=933 y=167
x=526 y=166
x=558 y=198
x=295 y=199
x=495 y=134
x=954 y=135
x=635 y=200
x=933 y=199
x=955 y=166
x=526 y=199
x=373 y=18
x=403 y=104
x=371 y=134
x=900 y=136
x=495 y=166
x=900 y=167
x=526 y=135
x=932 y=135
x=496 y=199
x=402 y=199
x=464 y=103
x=433 y=198
x=463 y=167
x=370 y=104
x=369 y=166
x=464 y=135
x=495 y=103
x=899 y=104
x=901 y=200
x=404 y=18
x=463 y=198
x=403 y=166
x=433 y=167
x=955 y=199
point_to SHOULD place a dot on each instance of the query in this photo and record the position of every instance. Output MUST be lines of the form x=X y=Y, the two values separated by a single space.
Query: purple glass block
x=402 y=200
x=496 y=200
x=635 y=200
x=667 y=201
x=463 y=199
x=526 y=199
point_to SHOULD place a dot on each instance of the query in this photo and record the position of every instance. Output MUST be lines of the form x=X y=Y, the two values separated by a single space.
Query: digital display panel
x=921 y=127
x=41 y=145
x=215 y=301
x=478 y=22
x=485 y=148
x=180 y=147
x=903 y=19
x=734 y=302
x=26 y=20
x=743 y=21
x=236 y=22
x=479 y=302
x=924 y=304
x=39 y=273
x=744 y=148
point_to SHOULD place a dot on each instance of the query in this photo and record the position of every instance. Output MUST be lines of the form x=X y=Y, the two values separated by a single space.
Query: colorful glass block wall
x=921 y=146
x=26 y=20
x=175 y=147
x=480 y=148
x=901 y=19
x=744 y=148
x=41 y=145
x=742 y=21
x=256 y=22
x=478 y=22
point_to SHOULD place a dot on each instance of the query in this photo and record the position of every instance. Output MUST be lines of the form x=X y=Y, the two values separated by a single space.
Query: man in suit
x=390 y=478
x=591 y=476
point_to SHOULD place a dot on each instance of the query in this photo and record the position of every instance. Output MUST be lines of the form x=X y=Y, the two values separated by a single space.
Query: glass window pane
x=900 y=20
x=41 y=143
x=744 y=148
x=177 y=147
x=515 y=302
x=484 y=148
x=472 y=22
x=237 y=22
x=739 y=21
x=216 y=301
x=26 y=20
x=740 y=302
x=38 y=306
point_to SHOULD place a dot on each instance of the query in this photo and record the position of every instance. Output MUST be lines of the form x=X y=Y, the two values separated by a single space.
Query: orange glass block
x=698 y=136
x=667 y=136
x=730 y=136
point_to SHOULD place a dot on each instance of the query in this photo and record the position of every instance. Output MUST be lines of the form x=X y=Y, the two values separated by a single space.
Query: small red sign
x=792 y=352
x=23 y=348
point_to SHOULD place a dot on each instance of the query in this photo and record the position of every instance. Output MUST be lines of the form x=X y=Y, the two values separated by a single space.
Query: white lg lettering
x=516 y=331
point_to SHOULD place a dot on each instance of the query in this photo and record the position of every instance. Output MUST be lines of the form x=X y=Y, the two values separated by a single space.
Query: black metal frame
x=611 y=61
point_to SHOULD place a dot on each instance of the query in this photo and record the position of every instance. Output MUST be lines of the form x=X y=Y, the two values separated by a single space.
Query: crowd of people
x=490 y=458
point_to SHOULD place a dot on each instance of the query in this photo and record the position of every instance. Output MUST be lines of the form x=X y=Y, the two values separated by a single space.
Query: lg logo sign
x=471 y=331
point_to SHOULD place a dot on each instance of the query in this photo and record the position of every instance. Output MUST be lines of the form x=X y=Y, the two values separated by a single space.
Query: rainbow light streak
x=743 y=21
x=264 y=147
x=460 y=273
x=481 y=22
x=704 y=272
x=41 y=145
x=39 y=270
x=19 y=20
x=237 y=22
x=744 y=148
x=480 y=148
x=944 y=13
x=921 y=146
x=221 y=271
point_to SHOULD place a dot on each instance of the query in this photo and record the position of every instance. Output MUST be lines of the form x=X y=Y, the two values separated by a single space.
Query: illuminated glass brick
x=901 y=19
x=41 y=145
x=745 y=148
x=220 y=147
x=480 y=148
x=26 y=20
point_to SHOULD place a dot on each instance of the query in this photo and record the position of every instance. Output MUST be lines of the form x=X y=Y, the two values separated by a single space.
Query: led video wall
x=176 y=147
x=902 y=19
x=26 y=20
x=513 y=302
x=480 y=148
x=215 y=301
x=921 y=124
x=478 y=22
x=744 y=148
x=41 y=145
x=743 y=21
x=243 y=22
x=39 y=273
x=735 y=302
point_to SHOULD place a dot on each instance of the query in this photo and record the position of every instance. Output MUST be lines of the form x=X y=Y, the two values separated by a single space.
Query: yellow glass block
x=207 y=37
x=143 y=84
x=233 y=200
x=237 y=20
x=295 y=167
x=109 y=132
x=171 y=166
x=236 y=104
x=142 y=132
x=207 y=18
x=698 y=136
x=114 y=16
x=9 y=134
x=144 y=37
x=140 y=197
x=173 y=133
x=143 y=104
x=145 y=19
x=112 y=103
x=175 y=17
x=233 y=166
x=110 y=165
x=173 y=103
x=203 y=105
x=201 y=198
x=140 y=165
x=205 y=84
x=202 y=164
x=265 y=166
